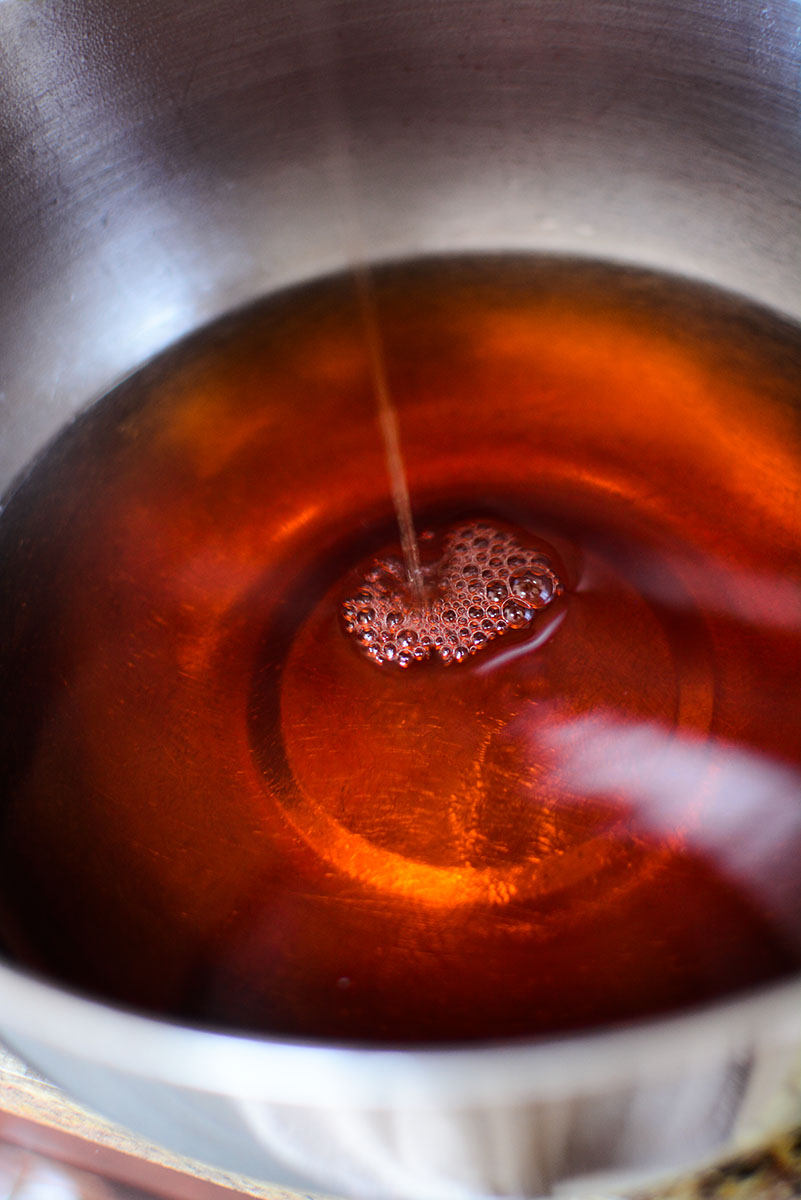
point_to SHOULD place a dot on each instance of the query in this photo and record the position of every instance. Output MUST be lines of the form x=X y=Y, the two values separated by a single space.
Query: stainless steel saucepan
x=162 y=161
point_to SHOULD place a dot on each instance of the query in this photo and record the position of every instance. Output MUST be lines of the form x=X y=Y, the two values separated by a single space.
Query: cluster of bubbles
x=484 y=584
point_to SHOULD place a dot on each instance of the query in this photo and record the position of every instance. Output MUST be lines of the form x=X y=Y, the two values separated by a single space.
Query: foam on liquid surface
x=483 y=584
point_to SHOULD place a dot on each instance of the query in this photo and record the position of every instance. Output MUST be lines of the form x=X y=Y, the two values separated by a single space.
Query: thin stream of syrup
x=328 y=94
x=389 y=427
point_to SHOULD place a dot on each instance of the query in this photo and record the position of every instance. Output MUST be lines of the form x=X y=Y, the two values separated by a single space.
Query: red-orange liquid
x=216 y=806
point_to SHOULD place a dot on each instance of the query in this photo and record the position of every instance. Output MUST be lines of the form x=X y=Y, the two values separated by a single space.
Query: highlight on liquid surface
x=220 y=801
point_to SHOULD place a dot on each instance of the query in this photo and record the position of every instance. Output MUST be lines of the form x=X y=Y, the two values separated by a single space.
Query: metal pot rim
x=315 y=1073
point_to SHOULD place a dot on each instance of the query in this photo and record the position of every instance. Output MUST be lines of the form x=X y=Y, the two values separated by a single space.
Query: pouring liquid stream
x=388 y=425
x=347 y=211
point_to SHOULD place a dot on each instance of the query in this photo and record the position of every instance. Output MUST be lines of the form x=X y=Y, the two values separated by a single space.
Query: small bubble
x=469 y=569
x=515 y=560
x=390 y=650
x=497 y=590
x=487 y=624
x=365 y=616
x=516 y=614
x=533 y=587
x=487 y=574
x=475 y=612
x=479 y=542
x=495 y=561
x=460 y=653
x=449 y=615
x=405 y=658
x=479 y=638
x=406 y=637
x=392 y=619
x=493 y=610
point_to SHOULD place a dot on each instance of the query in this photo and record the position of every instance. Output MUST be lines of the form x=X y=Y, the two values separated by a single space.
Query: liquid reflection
x=725 y=802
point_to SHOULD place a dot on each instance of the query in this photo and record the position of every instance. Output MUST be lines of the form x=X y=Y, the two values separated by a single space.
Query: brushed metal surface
x=165 y=161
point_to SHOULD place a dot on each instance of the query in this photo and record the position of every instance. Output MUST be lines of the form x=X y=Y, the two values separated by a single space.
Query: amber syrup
x=254 y=778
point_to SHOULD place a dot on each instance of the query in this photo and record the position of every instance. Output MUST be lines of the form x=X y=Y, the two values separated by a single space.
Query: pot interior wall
x=166 y=162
